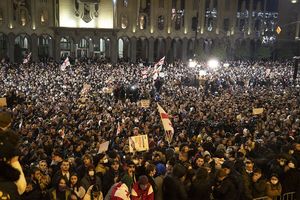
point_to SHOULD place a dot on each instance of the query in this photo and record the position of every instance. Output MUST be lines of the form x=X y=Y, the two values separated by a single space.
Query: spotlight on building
x=294 y=1
x=213 y=63
x=192 y=63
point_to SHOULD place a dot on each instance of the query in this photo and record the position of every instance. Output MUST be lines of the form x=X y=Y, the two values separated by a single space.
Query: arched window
x=142 y=22
x=83 y=43
x=124 y=22
x=22 y=41
x=120 y=48
x=65 y=43
x=160 y=22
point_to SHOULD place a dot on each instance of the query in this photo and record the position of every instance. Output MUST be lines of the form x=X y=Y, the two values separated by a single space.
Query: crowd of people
x=220 y=149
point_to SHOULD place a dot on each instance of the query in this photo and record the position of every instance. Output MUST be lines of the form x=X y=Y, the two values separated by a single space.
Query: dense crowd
x=220 y=149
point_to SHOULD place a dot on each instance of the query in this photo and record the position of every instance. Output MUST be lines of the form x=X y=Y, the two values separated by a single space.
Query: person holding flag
x=27 y=58
x=158 y=68
x=167 y=124
x=65 y=64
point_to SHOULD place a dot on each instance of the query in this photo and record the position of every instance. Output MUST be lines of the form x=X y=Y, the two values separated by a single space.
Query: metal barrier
x=285 y=196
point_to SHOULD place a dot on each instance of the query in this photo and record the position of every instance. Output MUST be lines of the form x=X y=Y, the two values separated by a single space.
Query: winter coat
x=291 y=182
x=173 y=189
x=159 y=182
x=273 y=190
x=225 y=190
x=259 y=188
x=200 y=189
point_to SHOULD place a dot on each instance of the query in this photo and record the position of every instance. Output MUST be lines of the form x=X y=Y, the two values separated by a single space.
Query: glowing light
x=185 y=31
x=151 y=30
x=192 y=63
x=169 y=30
x=213 y=63
x=202 y=72
x=133 y=29
x=294 y=1
x=10 y=26
x=226 y=64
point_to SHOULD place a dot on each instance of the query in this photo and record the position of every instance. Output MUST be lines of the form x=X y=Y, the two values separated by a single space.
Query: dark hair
x=150 y=168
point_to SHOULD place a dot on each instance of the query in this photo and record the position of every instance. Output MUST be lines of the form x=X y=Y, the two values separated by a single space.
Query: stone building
x=135 y=29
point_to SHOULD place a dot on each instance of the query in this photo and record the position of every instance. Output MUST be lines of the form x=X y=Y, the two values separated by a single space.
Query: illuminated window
x=23 y=17
x=125 y=3
x=22 y=41
x=124 y=22
x=83 y=43
x=142 y=22
x=160 y=22
x=44 y=17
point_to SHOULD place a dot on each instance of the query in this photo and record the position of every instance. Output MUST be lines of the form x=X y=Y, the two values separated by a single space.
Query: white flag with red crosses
x=167 y=124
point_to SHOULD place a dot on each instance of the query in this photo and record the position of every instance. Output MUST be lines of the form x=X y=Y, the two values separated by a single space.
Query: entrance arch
x=45 y=47
x=22 y=47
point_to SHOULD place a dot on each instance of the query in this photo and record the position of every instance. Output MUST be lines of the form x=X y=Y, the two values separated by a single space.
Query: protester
x=62 y=117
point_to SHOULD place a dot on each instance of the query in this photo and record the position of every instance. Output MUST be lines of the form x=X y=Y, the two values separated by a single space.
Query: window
x=142 y=22
x=160 y=22
x=125 y=3
x=124 y=22
x=178 y=22
x=65 y=43
x=209 y=24
x=44 y=17
x=83 y=43
x=22 y=41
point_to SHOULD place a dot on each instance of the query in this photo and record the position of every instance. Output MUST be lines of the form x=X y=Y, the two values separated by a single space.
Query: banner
x=138 y=143
x=3 y=102
x=144 y=103
x=103 y=147
x=257 y=111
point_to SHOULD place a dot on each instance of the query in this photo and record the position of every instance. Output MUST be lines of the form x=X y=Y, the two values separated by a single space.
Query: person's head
x=221 y=174
x=130 y=167
x=143 y=182
x=35 y=174
x=91 y=171
x=201 y=174
x=227 y=166
x=62 y=184
x=151 y=170
x=249 y=164
x=179 y=171
x=43 y=166
x=199 y=161
x=274 y=179
x=115 y=165
x=160 y=169
x=74 y=179
x=87 y=160
x=65 y=166
x=257 y=173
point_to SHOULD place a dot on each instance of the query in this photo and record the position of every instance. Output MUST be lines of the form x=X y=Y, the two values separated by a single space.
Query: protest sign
x=138 y=143
x=257 y=111
x=103 y=147
x=3 y=102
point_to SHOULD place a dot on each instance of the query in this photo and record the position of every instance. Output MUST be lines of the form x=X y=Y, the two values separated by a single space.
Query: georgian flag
x=27 y=59
x=65 y=64
x=158 y=68
x=167 y=124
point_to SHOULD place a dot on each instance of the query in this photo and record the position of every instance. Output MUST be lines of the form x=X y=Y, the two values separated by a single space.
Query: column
x=114 y=49
x=133 y=49
x=11 y=47
x=34 y=47
x=184 y=49
x=151 y=49
x=56 y=49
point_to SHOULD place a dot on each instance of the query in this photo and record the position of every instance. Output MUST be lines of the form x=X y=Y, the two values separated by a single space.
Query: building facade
x=136 y=29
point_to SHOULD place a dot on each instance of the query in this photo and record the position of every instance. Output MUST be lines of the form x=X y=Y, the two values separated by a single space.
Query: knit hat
x=160 y=169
